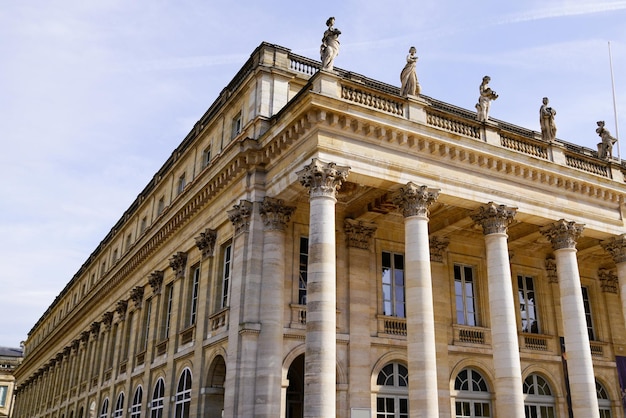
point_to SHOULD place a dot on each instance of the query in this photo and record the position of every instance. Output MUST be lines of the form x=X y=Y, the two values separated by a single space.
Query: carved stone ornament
x=563 y=234
x=178 y=262
x=84 y=337
x=120 y=307
x=95 y=328
x=616 y=247
x=206 y=242
x=107 y=320
x=275 y=213
x=551 y=270
x=322 y=179
x=608 y=281
x=437 y=248
x=495 y=219
x=136 y=294
x=359 y=233
x=156 y=281
x=240 y=216
x=414 y=200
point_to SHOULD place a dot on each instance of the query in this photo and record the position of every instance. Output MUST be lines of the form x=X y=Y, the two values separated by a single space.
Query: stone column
x=617 y=248
x=413 y=201
x=275 y=216
x=563 y=236
x=322 y=180
x=361 y=262
x=495 y=220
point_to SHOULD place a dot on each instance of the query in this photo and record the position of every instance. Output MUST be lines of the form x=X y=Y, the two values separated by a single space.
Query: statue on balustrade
x=546 y=121
x=484 y=100
x=605 y=148
x=330 y=45
x=408 y=77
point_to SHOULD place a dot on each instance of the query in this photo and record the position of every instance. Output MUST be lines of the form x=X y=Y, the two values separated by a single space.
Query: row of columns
x=323 y=180
x=253 y=346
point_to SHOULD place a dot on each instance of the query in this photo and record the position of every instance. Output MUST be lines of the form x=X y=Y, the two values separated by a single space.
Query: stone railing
x=391 y=326
x=372 y=100
x=525 y=146
x=471 y=335
x=303 y=65
x=161 y=348
x=186 y=335
x=589 y=165
x=298 y=316
x=140 y=358
x=539 y=343
x=218 y=320
x=452 y=124
x=600 y=350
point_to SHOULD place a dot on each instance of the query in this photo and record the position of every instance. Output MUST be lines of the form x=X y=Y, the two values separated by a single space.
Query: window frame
x=461 y=281
x=525 y=306
x=135 y=409
x=227 y=259
x=158 y=399
x=394 y=396
x=470 y=396
x=118 y=412
x=182 y=399
x=396 y=291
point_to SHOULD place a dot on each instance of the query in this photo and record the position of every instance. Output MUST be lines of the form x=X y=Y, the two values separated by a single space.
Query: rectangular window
x=3 y=395
x=193 y=294
x=160 y=205
x=167 y=312
x=393 y=284
x=129 y=330
x=145 y=337
x=303 y=270
x=114 y=256
x=236 y=126
x=527 y=304
x=181 y=184
x=226 y=275
x=103 y=269
x=143 y=225
x=465 y=295
x=588 y=317
x=129 y=241
x=111 y=350
x=206 y=157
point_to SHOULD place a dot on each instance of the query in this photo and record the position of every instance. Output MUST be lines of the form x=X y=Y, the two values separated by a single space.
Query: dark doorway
x=295 y=390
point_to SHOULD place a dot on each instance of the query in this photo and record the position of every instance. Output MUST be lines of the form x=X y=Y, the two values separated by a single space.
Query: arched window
x=158 y=395
x=183 y=395
x=104 y=411
x=604 y=402
x=119 y=406
x=392 y=400
x=472 y=395
x=135 y=409
x=538 y=398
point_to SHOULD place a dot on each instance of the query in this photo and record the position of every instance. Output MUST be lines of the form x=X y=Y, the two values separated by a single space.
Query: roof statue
x=408 y=76
x=484 y=100
x=605 y=148
x=330 y=45
x=546 y=121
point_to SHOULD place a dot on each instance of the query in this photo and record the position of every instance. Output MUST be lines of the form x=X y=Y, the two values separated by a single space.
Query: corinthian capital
x=178 y=262
x=322 y=179
x=275 y=213
x=562 y=234
x=206 y=242
x=616 y=247
x=359 y=233
x=240 y=215
x=494 y=218
x=414 y=200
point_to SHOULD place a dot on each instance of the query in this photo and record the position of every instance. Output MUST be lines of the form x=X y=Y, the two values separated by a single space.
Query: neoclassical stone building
x=319 y=245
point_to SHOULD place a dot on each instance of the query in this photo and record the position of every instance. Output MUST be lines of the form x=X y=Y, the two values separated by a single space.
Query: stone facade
x=10 y=358
x=319 y=245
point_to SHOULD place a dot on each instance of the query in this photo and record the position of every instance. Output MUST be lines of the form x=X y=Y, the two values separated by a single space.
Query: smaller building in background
x=10 y=358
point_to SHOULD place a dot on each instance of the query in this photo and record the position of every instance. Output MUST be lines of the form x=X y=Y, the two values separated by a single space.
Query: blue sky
x=95 y=95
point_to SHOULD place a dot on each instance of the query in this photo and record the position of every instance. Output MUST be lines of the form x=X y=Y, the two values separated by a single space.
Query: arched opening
x=295 y=390
x=183 y=395
x=135 y=409
x=538 y=398
x=158 y=399
x=604 y=401
x=392 y=387
x=472 y=395
x=214 y=392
